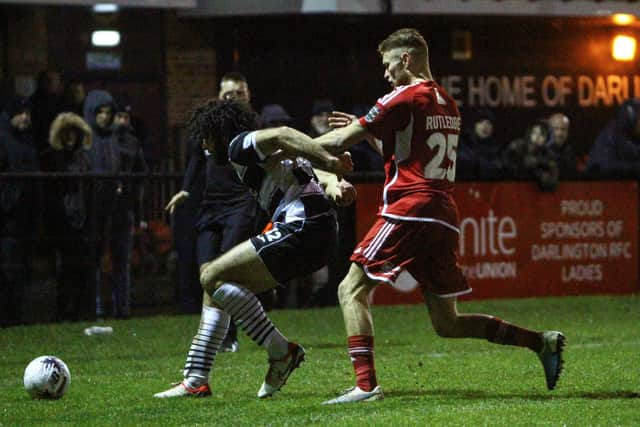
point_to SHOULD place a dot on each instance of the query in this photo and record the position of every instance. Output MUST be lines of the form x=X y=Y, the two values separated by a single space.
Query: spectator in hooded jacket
x=479 y=154
x=99 y=108
x=615 y=153
x=17 y=204
x=67 y=220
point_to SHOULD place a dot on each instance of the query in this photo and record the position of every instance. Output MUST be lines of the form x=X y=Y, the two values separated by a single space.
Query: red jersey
x=419 y=126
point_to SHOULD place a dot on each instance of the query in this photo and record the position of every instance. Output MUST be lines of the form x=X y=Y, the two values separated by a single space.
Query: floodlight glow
x=624 y=48
x=105 y=38
x=623 y=19
x=105 y=8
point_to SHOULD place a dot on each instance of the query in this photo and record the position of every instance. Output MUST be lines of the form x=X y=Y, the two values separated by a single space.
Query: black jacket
x=615 y=154
x=17 y=197
x=67 y=201
x=479 y=159
x=526 y=161
x=130 y=159
x=566 y=160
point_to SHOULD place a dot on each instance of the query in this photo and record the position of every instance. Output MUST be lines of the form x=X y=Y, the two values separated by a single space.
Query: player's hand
x=342 y=164
x=338 y=119
x=347 y=193
x=176 y=200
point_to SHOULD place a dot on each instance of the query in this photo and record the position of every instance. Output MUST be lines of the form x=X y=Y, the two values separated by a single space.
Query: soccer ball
x=46 y=377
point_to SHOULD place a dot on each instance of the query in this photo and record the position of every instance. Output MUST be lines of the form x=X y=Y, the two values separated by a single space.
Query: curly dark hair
x=223 y=119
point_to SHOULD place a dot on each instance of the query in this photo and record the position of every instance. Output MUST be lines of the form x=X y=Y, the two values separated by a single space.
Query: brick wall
x=26 y=45
x=190 y=61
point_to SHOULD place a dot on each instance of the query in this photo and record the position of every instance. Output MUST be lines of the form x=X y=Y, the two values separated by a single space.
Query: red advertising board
x=516 y=241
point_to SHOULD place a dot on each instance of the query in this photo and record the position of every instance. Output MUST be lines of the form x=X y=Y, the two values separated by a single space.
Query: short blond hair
x=407 y=38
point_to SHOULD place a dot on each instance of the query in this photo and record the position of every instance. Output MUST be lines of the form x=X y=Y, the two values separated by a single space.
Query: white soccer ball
x=46 y=377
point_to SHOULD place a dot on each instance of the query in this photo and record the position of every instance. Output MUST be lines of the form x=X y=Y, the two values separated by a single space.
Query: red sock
x=361 y=353
x=500 y=332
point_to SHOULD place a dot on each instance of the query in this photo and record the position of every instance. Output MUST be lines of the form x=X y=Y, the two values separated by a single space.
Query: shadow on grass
x=343 y=345
x=327 y=345
x=483 y=395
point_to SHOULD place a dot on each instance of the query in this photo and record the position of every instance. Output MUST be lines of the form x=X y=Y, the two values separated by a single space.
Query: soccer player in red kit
x=417 y=226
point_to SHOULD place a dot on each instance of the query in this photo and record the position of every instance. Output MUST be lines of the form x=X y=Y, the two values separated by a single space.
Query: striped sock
x=361 y=353
x=249 y=315
x=214 y=324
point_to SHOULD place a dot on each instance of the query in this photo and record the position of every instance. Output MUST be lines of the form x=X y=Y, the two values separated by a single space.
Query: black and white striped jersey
x=287 y=189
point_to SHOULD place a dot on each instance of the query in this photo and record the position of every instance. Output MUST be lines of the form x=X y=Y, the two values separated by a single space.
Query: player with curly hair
x=216 y=211
x=275 y=164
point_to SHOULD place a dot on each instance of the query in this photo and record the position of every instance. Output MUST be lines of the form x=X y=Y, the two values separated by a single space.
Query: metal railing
x=153 y=259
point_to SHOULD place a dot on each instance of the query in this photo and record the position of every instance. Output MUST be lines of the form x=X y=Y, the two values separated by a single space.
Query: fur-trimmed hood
x=66 y=120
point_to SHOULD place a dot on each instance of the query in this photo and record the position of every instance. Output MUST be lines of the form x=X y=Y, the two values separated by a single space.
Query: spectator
x=530 y=158
x=47 y=102
x=319 y=122
x=479 y=154
x=274 y=115
x=150 y=149
x=74 y=96
x=616 y=151
x=67 y=207
x=560 y=148
x=104 y=156
x=98 y=113
x=130 y=159
x=17 y=203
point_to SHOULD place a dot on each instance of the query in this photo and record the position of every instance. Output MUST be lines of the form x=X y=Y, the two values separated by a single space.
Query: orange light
x=624 y=48
x=623 y=19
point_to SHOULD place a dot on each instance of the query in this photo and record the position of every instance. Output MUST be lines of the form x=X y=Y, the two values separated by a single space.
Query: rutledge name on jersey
x=444 y=122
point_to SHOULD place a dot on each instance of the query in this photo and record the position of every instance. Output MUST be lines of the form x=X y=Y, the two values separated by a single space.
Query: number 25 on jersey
x=445 y=145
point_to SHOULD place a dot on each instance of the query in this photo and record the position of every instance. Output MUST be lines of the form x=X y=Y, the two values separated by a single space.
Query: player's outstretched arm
x=341 y=139
x=294 y=143
x=341 y=191
x=338 y=119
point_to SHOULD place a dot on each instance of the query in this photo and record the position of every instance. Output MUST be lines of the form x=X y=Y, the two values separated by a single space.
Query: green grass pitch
x=427 y=380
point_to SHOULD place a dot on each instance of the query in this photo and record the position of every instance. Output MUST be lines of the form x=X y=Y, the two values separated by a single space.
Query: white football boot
x=182 y=389
x=356 y=394
x=280 y=369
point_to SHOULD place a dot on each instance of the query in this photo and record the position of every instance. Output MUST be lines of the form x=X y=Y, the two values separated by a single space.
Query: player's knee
x=204 y=266
x=345 y=293
x=210 y=278
x=353 y=287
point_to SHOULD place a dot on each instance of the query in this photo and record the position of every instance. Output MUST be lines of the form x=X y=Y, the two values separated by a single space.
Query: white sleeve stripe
x=388 y=97
x=251 y=139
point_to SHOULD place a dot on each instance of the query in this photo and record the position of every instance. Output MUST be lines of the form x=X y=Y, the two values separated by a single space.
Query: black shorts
x=299 y=247
x=217 y=235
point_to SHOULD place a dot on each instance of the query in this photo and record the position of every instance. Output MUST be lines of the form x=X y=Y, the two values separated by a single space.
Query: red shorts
x=427 y=250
